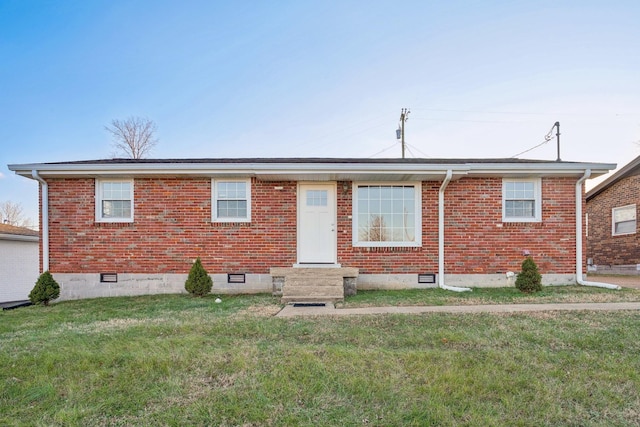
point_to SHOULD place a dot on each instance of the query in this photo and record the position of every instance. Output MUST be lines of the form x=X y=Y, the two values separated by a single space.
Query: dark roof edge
x=617 y=176
x=318 y=160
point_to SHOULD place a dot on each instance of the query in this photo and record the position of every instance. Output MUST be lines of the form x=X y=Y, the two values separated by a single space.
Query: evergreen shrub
x=199 y=283
x=45 y=290
x=529 y=280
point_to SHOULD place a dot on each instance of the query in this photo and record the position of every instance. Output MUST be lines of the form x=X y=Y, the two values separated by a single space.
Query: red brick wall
x=391 y=260
x=476 y=239
x=604 y=248
x=173 y=225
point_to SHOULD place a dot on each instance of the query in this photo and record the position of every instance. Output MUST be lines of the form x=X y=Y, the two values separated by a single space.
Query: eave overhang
x=315 y=170
x=627 y=170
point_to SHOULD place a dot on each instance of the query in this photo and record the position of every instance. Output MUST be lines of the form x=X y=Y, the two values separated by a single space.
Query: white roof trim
x=300 y=170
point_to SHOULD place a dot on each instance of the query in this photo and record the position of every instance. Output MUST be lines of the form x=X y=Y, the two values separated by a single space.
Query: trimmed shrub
x=199 y=283
x=45 y=290
x=530 y=279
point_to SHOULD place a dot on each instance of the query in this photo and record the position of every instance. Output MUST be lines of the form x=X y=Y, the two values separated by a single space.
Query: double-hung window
x=521 y=200
x=623 y=220
x=386 y=215
x=231 y=200
x=114 y=200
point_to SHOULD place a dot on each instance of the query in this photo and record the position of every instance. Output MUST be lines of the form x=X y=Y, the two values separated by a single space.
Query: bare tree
x=12 y=214
x=375 y=230
x=133 y=137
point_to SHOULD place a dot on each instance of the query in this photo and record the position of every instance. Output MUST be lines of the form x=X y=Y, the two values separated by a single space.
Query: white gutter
x=579 y=279
x=19 y=237
x=45 y=219
x=441 y=237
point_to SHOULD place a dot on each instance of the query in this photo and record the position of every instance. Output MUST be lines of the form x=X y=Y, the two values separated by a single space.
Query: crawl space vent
x=427 y=278
x=309 y=304
x=108 y=277
x=235 y=278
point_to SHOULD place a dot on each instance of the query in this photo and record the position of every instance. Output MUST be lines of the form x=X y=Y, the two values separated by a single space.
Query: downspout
x=441 y=237
x=45 y=219
x=579 y=278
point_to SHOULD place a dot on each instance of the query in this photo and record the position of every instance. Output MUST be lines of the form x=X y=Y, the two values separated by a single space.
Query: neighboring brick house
x=613 y=242
x=124 y=227
x=18 y=262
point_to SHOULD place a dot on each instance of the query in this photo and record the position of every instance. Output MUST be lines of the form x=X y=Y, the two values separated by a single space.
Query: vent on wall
x=235 y=278
x=108 y=277
x=427 y=278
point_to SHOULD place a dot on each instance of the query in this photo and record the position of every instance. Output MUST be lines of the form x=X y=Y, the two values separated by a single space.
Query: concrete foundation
x=79 y=286
x=410 y=281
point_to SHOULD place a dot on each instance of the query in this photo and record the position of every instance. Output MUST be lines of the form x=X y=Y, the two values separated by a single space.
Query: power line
x=382 y=151
x=418 y=150
x=528 y=113
x=443 y=110
x=547 y=138
x=532 y=148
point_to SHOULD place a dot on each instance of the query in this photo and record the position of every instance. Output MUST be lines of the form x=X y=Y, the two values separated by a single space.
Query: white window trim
x=537 y=188
x=417 y=188
x=214 y=199
x=613 y=220
x=98 y=200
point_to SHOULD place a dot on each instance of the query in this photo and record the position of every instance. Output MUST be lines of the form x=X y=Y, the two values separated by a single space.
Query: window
x=624 y=220
x=521 y=200
x=387 y=215
x=231 y=200
x=317 y=198
x=114 y=200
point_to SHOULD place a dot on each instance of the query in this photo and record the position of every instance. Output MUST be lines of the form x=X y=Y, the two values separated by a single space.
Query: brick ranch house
x=127 y=227
x=613 y=243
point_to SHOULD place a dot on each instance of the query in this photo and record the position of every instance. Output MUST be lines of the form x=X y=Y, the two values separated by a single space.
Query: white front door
x=317 y=223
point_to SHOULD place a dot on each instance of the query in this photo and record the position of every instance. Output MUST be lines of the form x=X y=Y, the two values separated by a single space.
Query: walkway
x=330 y=310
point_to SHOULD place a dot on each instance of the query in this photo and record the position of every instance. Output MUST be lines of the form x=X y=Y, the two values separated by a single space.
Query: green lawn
x=175 y=360
x=549 y=294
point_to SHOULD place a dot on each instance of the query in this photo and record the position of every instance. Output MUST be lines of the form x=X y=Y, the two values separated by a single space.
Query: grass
x=176 y=360
x=550 y=294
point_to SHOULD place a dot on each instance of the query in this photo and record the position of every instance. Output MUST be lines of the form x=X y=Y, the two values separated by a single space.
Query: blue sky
x=317 y=78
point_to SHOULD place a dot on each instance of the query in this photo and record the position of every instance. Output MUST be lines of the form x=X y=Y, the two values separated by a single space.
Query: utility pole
x=404 y=116
x=557 y=126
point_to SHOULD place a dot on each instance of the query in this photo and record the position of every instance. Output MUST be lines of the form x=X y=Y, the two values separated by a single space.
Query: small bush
x=45 y=290
x=199 y=282
x=529 y=280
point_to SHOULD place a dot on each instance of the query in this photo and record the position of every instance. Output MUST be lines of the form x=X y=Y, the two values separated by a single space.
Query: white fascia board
x=537 y=169
x=232 y=169
x=300 y=169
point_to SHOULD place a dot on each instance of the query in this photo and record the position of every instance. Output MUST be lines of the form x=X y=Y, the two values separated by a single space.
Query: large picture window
x=521 y=200
x=231 y=200
x=114 y=200
x=387 y=215
x=624 y=220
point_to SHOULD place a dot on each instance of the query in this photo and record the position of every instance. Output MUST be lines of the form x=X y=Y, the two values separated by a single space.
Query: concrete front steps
x=313 y=284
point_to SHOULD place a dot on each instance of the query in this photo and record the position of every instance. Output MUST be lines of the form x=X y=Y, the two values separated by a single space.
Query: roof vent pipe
x=441 y=237
x=45 y=219
x=579 y=278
